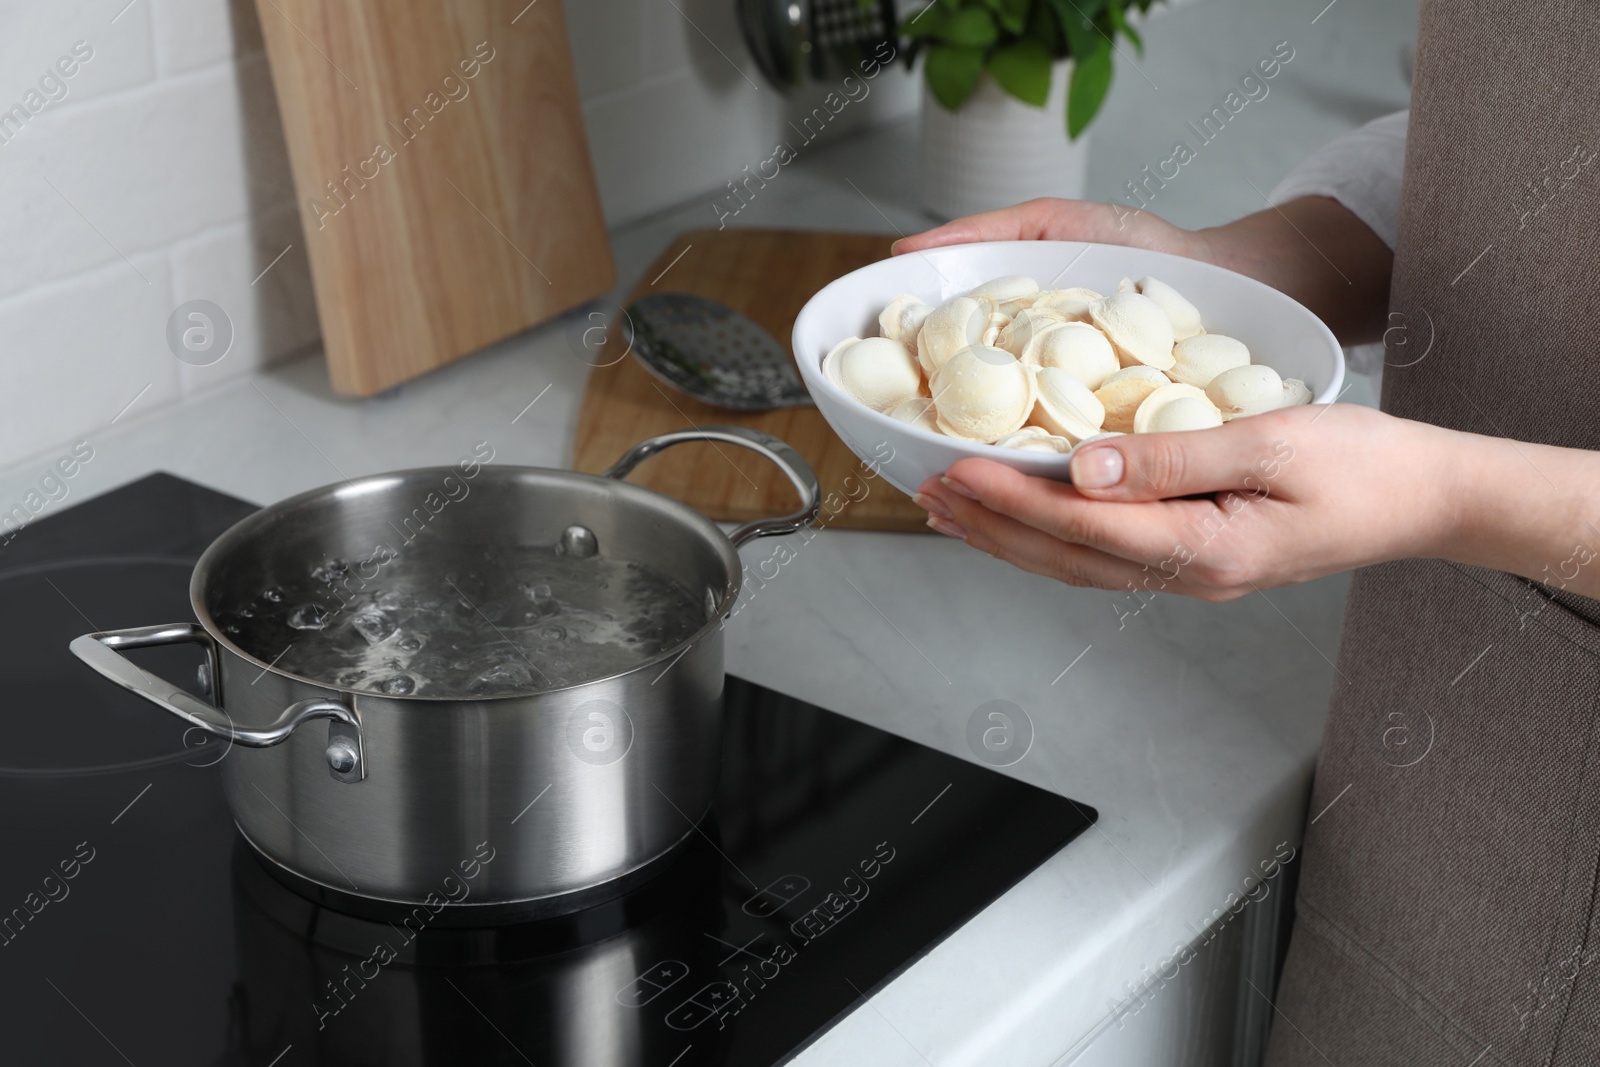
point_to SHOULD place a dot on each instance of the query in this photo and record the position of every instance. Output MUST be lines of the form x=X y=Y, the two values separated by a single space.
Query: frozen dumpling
x=1198 y=359
x=878 y=371
x=1196 y=413
x=1184 y=413
x=1009 y=294
x=1124 y=391
x=918 y=411
x=902 y=319
x=1185 y=316
x=1077 y=348
x=1137 y=328
x=1071 y=303
x=1024 y=326
x=991 y=332
x=949 y=328
x=1035 y=439
x=1295 y=392
x=1066 y=407
x=982 y=394
x=1249 y=390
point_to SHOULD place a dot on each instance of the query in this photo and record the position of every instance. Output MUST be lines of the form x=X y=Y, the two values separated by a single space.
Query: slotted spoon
x=714 y=353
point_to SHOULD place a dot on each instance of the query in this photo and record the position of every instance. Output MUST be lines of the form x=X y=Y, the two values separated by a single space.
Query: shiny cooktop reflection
x=136 y=926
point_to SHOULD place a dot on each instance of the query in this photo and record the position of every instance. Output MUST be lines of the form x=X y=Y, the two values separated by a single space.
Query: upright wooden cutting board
x=768 y=275
x=446 y=192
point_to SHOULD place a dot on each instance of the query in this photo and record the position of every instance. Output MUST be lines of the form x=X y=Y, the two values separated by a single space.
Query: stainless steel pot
x=552 y=797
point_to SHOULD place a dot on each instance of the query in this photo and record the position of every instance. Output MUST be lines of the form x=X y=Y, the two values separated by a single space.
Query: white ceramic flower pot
x=997 y=151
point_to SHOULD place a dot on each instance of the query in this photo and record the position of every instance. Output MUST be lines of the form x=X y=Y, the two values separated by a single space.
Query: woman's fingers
x=1139 y=533
x=1032 y=549
x=1065 y=220
x=1245 y=456
x=1160 y=546
x=1036 y=220
x=1006 y=224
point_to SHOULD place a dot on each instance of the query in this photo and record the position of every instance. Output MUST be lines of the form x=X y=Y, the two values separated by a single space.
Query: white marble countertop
x=1192 y=729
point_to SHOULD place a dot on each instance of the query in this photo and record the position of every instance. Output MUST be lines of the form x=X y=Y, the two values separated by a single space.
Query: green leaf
x=1013 y=14
x=1082 y=37
x=1043 y=27
x=1119 y=24
x=971 y=27
x=1083 y=11
x=1023 y=70
x=952 y=71
x=1091 y=80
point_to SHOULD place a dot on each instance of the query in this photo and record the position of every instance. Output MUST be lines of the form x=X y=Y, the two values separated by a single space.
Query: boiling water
x=521 y=620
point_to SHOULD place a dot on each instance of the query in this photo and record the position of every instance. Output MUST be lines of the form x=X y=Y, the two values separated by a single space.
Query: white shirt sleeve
x=1361 y=170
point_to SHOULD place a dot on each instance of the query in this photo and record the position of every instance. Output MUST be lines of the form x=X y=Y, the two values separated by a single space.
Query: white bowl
x=1279 y=331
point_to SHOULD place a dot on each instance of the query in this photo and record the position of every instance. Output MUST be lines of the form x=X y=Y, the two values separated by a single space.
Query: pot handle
x=345 y=756
x=786 y=459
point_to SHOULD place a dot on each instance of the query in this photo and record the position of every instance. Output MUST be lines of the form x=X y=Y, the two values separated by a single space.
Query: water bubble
x=578 y=542
x=373 y=625
x=330 y=571
x=309 y=617
x=274 y=595
x=502 y=677
x=413 y=623
x=349 y=678
x=544 y=601
x=397 y=684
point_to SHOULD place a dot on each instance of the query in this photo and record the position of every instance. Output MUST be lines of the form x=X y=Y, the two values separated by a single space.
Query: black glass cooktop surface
x=137 y=927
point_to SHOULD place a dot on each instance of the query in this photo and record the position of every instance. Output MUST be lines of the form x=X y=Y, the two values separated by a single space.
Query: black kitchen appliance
x=136 y=926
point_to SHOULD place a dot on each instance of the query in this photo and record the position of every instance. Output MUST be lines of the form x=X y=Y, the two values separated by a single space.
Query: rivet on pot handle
x=786 y=459
x=345 y=755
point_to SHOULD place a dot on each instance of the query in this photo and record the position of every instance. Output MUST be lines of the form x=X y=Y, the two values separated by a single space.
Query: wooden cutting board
x=446 y=194
x=768 y=275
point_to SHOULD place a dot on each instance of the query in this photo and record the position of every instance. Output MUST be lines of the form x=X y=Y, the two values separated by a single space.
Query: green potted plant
x=1010 y=87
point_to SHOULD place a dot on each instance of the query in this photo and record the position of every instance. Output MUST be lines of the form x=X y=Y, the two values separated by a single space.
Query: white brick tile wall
x=166 y=148
x=257 y=272
x=145 y=167
x=36 y=35
x=78 y=352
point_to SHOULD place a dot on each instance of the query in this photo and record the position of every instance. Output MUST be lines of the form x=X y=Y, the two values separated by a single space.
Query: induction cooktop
x=136 y=926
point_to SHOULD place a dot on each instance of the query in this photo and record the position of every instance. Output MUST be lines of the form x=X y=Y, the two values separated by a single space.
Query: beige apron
x=1448 y=910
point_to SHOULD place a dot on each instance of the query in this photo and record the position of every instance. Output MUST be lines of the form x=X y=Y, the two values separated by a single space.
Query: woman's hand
x=1314 y=249
x=1298 y=494
x=1065 y=220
